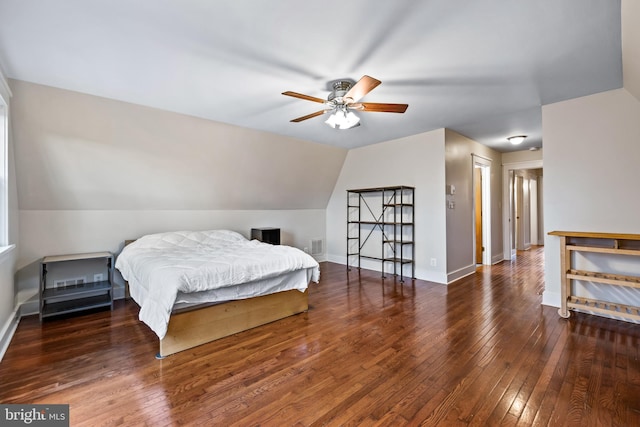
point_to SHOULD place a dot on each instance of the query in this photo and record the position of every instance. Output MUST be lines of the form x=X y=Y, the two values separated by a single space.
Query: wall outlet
x=306 y=250
x=434 y=263
x=98 y=277
x=69 y=282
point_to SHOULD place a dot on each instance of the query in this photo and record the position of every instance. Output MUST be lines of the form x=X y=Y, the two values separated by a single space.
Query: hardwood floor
x=481 y=351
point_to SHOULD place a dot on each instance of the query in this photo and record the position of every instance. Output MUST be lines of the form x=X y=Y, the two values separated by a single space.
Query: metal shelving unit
x=382 y=219
x=93 y=290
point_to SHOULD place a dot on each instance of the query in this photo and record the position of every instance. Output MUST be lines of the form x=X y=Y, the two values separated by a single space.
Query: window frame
x=5 y=94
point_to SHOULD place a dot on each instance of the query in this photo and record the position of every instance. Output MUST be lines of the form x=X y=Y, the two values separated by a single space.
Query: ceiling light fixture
x=342 y=118
x=515 y=140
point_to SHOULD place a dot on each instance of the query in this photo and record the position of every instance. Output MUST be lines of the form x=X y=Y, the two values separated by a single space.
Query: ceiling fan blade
x=309 y=116
x=365 y=85
x=303 y=96
x=378 y=107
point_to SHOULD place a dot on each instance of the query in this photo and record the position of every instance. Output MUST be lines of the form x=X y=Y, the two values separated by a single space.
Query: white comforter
x=158 y=266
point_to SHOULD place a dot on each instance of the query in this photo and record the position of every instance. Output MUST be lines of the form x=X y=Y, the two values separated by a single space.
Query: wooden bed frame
x=191 y=327
x=188 y=329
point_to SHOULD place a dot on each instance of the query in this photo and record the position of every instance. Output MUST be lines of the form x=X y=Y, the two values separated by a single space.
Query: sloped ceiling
x=77 y=152
x=482 y=68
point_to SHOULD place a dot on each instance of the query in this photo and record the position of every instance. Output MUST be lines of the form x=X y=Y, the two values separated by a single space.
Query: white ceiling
x=482 y=68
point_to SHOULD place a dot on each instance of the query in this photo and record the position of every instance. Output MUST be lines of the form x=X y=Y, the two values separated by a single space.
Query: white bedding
x=159 y=267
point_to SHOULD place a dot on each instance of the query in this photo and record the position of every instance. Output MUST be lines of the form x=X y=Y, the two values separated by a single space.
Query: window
x=4 y=144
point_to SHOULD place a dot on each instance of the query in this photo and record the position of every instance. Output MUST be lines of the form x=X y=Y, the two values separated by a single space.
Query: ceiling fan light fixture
x=345 y=97
x=518 y=139
x=341 y=118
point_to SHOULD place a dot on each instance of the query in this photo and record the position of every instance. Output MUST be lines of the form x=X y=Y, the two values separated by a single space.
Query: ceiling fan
x=343 y=99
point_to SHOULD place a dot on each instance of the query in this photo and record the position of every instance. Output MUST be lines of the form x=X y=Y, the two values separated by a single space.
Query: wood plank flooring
x=480 y=352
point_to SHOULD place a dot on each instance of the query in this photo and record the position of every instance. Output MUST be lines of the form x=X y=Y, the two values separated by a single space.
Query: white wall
x=591 y=172
x=82 y=152
x=8 y=306
x=630 y=11
x=416 y=161
x=93 y=172
x=46 y=232
x=521 y=156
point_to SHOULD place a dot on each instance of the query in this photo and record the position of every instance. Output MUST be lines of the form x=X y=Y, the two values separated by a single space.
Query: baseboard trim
x=8 y=330
x=460 y=273
x=30 y=305
x=421 y=274
x=28 y=302
x=552 y=299
x=338 y=259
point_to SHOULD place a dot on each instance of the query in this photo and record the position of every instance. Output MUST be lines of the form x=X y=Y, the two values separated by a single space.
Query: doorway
x=477 y=177
x=482 y=210
x=522 y=206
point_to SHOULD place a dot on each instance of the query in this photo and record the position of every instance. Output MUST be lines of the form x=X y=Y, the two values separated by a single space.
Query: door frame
x=519 y=205
x=485 y=167
x=506 y=204
x=533 y=215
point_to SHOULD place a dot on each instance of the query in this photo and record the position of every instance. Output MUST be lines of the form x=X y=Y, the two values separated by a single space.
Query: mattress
x=207 y=266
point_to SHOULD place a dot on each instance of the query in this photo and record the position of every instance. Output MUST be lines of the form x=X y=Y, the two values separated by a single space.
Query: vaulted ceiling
x=482 y=68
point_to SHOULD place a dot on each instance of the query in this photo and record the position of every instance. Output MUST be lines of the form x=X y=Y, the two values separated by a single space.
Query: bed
x=197 y=286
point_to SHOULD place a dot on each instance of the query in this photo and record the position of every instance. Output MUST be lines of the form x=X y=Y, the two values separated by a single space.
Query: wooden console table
x=602 y=243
